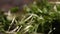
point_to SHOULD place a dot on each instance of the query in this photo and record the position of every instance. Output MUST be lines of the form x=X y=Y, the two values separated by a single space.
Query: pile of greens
x=38 y=19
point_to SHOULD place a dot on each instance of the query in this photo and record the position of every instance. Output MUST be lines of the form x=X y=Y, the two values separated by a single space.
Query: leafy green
x=38 y=19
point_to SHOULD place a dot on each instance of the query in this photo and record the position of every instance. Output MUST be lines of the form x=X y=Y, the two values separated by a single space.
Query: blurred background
x=40 y=17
